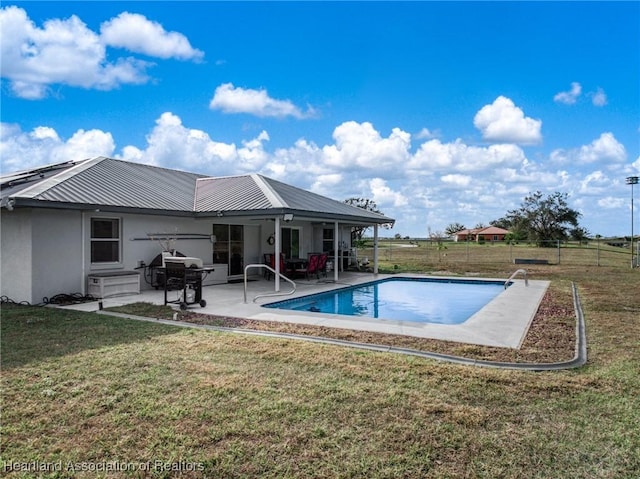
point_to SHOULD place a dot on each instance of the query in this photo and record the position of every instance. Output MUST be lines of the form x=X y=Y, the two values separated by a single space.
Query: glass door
x=290 y=242
x=229 y=247
x=236 y=249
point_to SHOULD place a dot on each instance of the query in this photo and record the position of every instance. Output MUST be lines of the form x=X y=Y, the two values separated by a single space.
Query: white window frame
x=105 y=264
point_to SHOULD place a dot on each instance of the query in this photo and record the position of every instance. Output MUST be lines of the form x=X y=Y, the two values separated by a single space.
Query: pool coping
x=579 y=359
x=503 y=322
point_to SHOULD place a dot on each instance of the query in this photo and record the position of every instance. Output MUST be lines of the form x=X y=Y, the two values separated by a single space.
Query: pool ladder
x=258 y=265
x=515 y=273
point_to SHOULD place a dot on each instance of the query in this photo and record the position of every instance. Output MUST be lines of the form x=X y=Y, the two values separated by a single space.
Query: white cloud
x=569 y=97
x=297 y=164
x=384 y=195
x=604 y=148
x=172 y=144
x=502 y=121
x=136 y=33
x=230 y=99
x=67 y=52
x=426 y=134
x=327 y=182
x=611 y=202
x=457 y=156
x=599 y=97
x=457 y=179
x=361 y=145
x=595 y=183
x=42 y=145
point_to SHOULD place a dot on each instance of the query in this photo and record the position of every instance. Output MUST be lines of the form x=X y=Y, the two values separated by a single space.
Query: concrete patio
x=502 y=323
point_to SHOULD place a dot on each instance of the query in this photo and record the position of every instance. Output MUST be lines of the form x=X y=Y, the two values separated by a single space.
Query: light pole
x=632 y=180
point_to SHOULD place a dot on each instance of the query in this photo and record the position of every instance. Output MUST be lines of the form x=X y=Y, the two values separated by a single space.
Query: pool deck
x=502 y=323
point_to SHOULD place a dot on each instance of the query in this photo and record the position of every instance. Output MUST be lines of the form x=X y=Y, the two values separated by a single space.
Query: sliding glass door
x=291 y=242
x=229 y=247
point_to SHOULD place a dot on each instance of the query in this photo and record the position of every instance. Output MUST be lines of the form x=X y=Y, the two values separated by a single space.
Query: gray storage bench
x=113 y=283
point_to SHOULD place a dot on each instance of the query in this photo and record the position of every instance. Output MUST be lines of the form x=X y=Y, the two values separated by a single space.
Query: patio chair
x=322 y=265
x=311 y=266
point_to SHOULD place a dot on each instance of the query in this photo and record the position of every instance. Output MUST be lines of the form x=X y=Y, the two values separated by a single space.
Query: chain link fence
x=591 y=253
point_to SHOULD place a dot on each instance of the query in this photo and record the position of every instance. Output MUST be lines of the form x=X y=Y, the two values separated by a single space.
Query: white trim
x=336 y=259
x=375 y=249
x=275 y=199
x=106 y=264
x=276 y=253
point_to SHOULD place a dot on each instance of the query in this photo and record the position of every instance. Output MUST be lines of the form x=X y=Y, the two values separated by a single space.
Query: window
x=327 y=240
x=105 y=240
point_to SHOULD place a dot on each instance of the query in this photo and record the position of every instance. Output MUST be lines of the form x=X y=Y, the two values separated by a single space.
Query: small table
x=293 y=264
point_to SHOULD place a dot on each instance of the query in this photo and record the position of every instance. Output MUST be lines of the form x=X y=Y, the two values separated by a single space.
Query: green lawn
x=92 y=391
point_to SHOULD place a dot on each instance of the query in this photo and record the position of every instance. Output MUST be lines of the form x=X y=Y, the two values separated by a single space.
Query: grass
x=90 y=390
x=425 y=255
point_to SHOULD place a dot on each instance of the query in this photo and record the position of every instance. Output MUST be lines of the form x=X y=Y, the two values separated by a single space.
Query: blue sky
x=441 y=112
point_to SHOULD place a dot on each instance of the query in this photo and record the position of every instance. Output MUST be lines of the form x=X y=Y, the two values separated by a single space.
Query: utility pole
x=632 y=180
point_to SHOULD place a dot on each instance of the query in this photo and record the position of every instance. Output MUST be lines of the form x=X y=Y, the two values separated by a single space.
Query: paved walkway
x=502 y=323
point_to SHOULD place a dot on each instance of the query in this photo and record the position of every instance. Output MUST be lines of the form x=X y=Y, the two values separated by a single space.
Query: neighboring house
x=489 y=234
x=63 y=222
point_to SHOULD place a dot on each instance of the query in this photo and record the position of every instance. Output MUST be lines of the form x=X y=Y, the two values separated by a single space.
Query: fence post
x=467 y=248
x=558 y=251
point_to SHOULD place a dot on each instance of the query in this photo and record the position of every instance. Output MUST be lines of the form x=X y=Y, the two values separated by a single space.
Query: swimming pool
x=420 y=300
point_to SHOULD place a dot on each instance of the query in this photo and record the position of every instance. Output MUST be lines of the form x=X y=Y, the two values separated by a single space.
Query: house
x=488 y=234
x=61 y=223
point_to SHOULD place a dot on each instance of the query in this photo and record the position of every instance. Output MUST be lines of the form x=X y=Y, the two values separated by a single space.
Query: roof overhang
x=269 y=214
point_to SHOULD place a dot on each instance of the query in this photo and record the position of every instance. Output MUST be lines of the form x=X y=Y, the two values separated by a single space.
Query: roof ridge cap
x=271 y=194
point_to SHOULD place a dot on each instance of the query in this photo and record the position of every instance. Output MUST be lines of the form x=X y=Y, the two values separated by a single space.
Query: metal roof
x=13 y=183
x=234 y=193
x=108 y=183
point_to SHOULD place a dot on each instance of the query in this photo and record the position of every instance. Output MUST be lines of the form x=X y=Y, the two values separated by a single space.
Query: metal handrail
x=259 y=265
x=515 y=273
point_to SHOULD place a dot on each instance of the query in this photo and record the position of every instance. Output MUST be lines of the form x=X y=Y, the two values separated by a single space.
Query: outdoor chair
x=322 y=265
x=311 y=266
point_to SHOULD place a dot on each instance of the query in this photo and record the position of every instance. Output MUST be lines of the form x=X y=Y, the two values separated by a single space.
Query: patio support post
x=336 y=253
x=375 y=249
x=276 y=253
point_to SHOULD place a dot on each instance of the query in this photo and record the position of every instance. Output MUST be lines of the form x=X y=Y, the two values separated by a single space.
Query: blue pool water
x=442 y=301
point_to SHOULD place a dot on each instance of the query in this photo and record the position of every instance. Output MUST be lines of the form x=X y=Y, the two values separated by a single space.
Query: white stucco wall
x=47 y=252
x=15 y=255
x=136 y=246
x=56 y=263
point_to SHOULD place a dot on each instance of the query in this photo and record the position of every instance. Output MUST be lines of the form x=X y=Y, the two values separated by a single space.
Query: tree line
x=539 y=219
